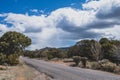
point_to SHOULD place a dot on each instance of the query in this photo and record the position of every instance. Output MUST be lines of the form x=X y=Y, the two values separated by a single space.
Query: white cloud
x=41 y=11
x=26 y=23
x=37 y=11
x=66 y=25
x=104 y=8
x=3 y=15
x=34 y=10
x=92 y=5
x=109 y=9
x=3 y=28
x=112 y=32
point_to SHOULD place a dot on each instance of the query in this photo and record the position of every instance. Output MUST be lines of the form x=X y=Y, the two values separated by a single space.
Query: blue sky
x=23 y=6
x=60 y=23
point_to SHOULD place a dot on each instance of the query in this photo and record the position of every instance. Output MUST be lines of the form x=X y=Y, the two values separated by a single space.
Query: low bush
x=50 y=57
x=105 y=65
x=76 y=59
x=3 y=58
x=108 y=66
x=95 y=65
x=13 y=59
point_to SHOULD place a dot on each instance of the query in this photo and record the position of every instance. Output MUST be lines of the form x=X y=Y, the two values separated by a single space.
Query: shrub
x=49 y=56
x=84 y=61
x=13 y=59
x=76 y=59
x=95 y=65
x=117 y=70
x=105 y=65
x=3 y=58
x=108 y=66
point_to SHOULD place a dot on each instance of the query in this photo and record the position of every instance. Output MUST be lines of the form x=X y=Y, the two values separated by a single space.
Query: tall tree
x=86 y=48
x=13 y=42
x=90 y=49
x=111 y=49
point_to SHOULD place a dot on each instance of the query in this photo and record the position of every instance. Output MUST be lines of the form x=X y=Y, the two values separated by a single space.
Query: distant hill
x=64 y=48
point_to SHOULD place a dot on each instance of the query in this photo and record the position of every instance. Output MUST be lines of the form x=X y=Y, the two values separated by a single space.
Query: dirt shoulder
x=21 y=72
x=65 y=63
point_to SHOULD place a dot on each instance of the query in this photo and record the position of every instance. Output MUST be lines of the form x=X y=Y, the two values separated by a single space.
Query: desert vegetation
x=101 y=55
x=12 y=45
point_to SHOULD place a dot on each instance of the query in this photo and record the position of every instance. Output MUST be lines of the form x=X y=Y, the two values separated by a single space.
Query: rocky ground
x=21 y=72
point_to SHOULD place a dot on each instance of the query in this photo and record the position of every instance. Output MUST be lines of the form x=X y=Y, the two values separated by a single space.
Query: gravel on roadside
x=22 y=72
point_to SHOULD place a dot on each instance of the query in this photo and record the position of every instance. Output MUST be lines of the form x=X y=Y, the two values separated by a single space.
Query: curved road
x=61 y=72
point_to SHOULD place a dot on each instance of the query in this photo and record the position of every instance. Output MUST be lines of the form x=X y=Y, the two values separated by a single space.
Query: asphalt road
x=61 y=72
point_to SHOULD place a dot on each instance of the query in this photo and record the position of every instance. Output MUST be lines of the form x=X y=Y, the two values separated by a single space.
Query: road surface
x=61 y=72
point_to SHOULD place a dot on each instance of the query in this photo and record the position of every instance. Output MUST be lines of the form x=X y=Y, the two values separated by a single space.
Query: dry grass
x=21 y=72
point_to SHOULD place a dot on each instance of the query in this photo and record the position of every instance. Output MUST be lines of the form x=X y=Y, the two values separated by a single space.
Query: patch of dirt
x=21 y=72
x=63 y=63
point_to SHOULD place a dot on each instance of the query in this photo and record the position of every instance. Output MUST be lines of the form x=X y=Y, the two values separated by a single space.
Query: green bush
x=13 y=59
x=108 y=66
x=76 y=59
x=49 y=56
x=3 y=58
x=105 y=65
x=95 y=65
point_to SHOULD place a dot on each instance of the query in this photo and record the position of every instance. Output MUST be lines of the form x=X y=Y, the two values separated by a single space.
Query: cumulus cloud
x=3 y=28
x=64 y=26
x=107 y=12
x=112 y=32
x=104 y=8
x=112 y=10
x=92 y=5
x=3 y=15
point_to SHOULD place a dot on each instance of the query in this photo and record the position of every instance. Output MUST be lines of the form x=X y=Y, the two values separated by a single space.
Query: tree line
x=101 y=55
x=91 y=49
x=97 y=50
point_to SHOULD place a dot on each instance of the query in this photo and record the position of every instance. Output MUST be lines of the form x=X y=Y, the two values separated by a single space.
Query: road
x=61 y=72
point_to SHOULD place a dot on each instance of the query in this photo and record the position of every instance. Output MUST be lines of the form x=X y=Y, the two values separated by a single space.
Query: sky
x=60 y=23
